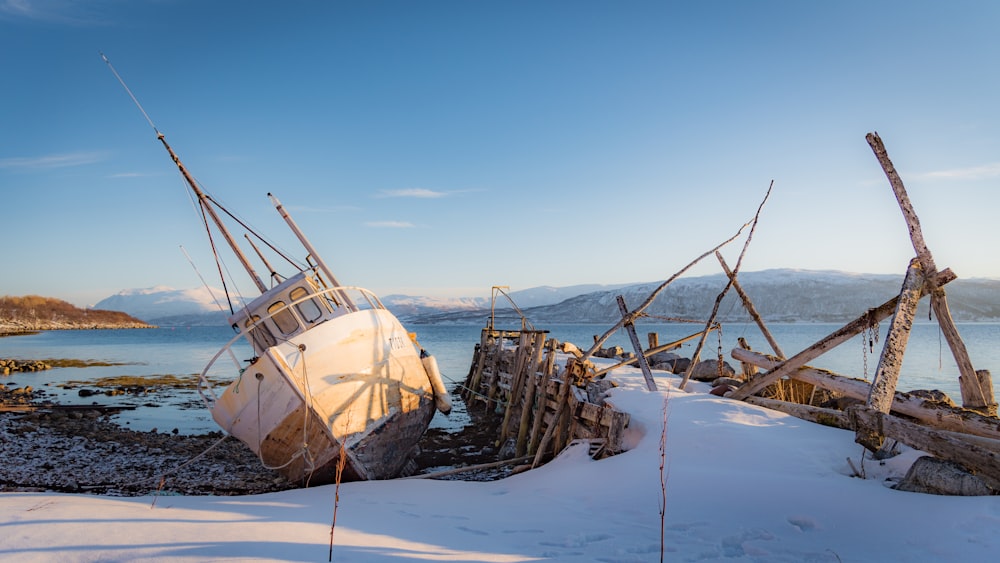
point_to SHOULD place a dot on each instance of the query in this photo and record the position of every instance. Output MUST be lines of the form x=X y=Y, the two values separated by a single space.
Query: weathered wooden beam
x=883 y=387
x=841 y=419
x=978 y=395
x=835 y=339
x=984 y=463
x=931 y=413
x=749 y=306
x=891 y=361
x=529 y=395
x=939 y=303
x=650 y=352
x=634 y=338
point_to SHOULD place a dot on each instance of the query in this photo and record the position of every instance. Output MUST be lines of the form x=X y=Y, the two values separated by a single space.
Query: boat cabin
x=290 y=308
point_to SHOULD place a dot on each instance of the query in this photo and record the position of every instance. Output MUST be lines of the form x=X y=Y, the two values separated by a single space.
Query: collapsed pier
x=544 y=409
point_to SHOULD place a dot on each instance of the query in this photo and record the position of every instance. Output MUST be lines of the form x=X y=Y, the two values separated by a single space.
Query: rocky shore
x=49 y=448
x=63 y=448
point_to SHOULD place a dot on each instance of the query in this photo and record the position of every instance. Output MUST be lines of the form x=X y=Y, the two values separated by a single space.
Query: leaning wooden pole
x=598 y=342
x=938 y=301
x=835 y=339
x=749 y=306
x=718 y=300
x=883 y=387
x=647 y=374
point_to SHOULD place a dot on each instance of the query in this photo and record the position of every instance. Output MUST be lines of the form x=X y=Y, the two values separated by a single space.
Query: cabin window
x=283 y=318
x=260 y=334
x=308 y=309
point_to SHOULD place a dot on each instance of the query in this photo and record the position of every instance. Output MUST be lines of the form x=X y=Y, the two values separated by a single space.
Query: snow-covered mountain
x=161 y=303
x=778 y=295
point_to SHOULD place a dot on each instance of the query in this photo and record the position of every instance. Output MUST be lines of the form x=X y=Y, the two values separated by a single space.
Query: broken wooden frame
x=544 y=409
x=969 y=436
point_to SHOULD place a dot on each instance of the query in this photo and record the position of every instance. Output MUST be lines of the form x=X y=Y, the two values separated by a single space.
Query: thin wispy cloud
x=420 y=193
x=69 y=12
x=52 y=161
x=972 y=173
x=318 y=209
x=390 y=224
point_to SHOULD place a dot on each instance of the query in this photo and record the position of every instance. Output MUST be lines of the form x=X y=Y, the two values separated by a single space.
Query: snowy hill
x=779 y=295
x=161 y=303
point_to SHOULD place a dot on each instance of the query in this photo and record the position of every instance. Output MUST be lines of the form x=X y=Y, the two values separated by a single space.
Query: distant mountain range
x=779 y=295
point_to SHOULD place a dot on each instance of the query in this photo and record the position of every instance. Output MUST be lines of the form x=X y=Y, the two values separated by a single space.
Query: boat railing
x=363 y=300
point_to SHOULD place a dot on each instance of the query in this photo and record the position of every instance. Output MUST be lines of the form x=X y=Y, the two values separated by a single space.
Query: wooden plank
x=978 y=395
x=984 y=463
x=640 y=357
x=890 y=363
x=749 y=306
x=938 y=301
x=835 y=339
x=928 y=412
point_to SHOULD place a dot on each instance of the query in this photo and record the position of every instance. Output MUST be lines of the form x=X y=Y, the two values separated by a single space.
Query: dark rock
x=710 y=370
x=935 y=476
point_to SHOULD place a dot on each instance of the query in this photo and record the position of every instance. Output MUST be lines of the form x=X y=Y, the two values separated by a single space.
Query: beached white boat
x=336 y=389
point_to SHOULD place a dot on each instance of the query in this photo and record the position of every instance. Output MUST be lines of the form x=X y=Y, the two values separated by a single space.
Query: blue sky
x=439 y=148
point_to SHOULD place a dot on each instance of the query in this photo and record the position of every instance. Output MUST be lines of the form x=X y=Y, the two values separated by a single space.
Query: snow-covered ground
x=742 y=484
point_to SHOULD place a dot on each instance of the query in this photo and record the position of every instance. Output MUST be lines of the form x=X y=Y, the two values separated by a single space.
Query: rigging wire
x=203 y=282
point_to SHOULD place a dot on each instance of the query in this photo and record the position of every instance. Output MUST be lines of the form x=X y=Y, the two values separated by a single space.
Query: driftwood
x=931 y=413
x=598 y=342
x=696 y=356
x=749 y=306
x=891 y=361
x=650 y=352
x=981 y=461
x=939 y=302
x=840 y=419
x=634 y=338
x=836 y=338
x=978 y=395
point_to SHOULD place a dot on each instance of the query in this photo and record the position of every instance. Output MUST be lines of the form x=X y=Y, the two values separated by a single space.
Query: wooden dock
x=543 y=394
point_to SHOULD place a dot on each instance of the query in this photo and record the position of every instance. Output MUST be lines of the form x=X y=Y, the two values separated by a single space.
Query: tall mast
x=206 y=203
x=309 y=248
x=203 y=200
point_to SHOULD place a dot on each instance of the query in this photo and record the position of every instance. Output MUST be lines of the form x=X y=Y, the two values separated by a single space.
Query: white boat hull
x=352 y=386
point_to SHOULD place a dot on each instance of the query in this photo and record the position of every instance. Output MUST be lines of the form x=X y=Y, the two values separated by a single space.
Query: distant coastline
x=33 y=313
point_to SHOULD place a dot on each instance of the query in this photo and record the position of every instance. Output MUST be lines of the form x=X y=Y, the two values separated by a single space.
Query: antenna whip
x=130 y=94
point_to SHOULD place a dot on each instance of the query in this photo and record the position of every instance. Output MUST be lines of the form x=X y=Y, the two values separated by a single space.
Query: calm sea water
x=928 y=362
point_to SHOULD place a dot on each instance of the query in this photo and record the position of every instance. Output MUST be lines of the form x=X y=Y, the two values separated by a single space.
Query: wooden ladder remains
x=969 y=436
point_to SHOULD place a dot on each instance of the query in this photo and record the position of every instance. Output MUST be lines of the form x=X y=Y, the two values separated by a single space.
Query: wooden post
x=529 y=394
x=572 y=366
x=749 y=370
x=477 y=376
x=883 y=387
x=647 y=353
x=653 y=339
x=939 y=303
x=640 y=357
x=516 y=384
x=978 y=395
x=985 y=463
x=835 y=339
x=891 y=361
x=928 y=412
x=748 y=305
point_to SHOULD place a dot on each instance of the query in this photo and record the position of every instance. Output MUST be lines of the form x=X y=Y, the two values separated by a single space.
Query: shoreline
x=49 y=447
